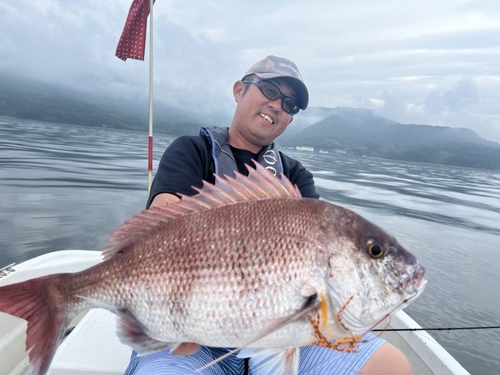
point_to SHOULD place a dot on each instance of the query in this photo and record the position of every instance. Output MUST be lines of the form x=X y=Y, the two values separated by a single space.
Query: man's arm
x=184 y=164
x=181 y=167
x=162 y=199
x=300 y=176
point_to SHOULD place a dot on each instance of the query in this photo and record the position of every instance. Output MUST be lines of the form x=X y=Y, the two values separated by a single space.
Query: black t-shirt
x=188 y=161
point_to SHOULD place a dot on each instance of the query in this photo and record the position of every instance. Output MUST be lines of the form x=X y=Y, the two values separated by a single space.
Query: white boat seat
x=92 y=348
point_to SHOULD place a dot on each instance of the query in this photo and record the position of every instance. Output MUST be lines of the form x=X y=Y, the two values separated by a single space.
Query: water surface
x=69 y=187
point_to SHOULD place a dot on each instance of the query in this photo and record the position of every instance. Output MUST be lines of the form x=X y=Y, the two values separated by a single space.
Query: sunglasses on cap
x=272 y=92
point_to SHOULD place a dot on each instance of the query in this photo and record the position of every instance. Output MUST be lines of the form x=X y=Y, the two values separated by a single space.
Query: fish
x=247 y=263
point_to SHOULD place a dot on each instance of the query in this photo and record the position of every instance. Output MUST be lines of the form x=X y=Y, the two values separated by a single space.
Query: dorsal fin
x=259 y=184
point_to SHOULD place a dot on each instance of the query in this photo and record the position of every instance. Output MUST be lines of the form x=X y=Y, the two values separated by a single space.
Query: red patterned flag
x=133 y=40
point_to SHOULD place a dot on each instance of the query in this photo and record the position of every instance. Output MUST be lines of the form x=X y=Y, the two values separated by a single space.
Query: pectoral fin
x=312 y=303
x=272 y=361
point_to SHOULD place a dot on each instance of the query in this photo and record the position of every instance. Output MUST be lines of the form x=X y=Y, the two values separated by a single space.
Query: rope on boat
x=7 y=270
x=434 y=329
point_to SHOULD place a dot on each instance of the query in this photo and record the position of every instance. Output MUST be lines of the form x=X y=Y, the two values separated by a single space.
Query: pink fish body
x=247 y=264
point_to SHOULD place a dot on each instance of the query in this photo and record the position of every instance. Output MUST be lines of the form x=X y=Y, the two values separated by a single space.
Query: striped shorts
x=312 y=360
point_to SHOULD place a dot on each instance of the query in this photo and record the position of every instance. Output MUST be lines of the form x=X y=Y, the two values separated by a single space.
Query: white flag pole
x=150 y=138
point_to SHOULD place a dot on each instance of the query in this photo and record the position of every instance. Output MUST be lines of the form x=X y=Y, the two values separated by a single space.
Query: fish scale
x=262 y=266
x=244 y=264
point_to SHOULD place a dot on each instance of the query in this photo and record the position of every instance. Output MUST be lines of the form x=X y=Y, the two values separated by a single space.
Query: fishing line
x=434 y=329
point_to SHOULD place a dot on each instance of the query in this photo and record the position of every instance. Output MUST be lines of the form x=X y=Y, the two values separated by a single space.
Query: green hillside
x=35 y=101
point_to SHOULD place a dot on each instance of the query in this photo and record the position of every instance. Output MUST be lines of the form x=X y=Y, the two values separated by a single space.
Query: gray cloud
x=408 y=63
x=453 y=100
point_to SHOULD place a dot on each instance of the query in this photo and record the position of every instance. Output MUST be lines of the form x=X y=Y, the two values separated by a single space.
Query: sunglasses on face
x=272 y=92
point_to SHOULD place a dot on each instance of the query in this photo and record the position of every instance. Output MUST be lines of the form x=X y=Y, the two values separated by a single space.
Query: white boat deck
x=94 y=349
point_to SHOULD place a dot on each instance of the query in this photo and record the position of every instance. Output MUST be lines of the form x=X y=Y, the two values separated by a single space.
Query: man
x=267 y=97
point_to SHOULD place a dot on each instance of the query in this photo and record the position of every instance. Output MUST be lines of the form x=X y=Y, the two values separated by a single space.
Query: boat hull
x=93 y=348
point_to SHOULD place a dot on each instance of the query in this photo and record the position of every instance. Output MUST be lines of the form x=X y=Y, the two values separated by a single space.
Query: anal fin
x=131 y=332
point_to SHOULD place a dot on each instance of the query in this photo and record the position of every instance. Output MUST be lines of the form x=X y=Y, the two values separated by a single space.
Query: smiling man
x=271 y=92
x=267 y=97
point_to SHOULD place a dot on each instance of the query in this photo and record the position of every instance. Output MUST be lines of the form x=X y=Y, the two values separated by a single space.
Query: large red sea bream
x=246 y=264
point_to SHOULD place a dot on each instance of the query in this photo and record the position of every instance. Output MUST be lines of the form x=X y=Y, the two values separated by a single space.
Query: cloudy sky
x=433 y=62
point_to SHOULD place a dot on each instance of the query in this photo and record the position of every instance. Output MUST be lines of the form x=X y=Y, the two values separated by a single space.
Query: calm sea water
x=69 y=187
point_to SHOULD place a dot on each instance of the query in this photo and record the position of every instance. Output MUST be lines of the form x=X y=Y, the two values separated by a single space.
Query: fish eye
x=374 y=249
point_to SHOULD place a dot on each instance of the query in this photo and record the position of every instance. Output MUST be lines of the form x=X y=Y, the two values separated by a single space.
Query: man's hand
x=186 y=348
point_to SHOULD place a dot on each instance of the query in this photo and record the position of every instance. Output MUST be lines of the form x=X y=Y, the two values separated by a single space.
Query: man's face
x=257 y=119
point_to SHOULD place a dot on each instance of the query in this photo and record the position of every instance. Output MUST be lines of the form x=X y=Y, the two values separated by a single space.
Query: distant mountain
x=33 y=100
x=361 y=126
x=360 y=132
x=303 y=119
x=346 y=130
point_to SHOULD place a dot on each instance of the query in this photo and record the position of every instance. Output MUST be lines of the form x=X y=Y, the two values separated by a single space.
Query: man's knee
x=164 y=363
x=387 y=360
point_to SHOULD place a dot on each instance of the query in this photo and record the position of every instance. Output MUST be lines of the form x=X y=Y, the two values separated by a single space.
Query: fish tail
x=42 y=306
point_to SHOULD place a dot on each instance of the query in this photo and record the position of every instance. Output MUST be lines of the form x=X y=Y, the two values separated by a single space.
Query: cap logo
x=291 y=67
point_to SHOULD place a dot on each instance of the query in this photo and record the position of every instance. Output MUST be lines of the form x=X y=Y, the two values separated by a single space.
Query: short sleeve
x=184 y=164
